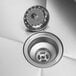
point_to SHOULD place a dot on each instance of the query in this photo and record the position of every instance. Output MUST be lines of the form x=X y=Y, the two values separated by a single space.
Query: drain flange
x=43 y=49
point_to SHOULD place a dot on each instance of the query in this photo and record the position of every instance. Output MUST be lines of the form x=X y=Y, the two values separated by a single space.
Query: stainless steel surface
x=36 y=18
x=12 y=61
x=13 y=34
x=45 y=43
x=66 y=67
x=12 y=37
x=11 y=18
x=62 y=24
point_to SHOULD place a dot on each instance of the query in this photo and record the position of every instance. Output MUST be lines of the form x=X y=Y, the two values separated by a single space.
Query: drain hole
x=39 y=57
x=47 y=57
x=34 y=16
x=43 y=57
x=43 y=61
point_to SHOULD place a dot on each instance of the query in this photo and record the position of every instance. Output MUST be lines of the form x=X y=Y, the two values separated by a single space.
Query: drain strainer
x=36 y=18
x=43 y=49
x=43 y=56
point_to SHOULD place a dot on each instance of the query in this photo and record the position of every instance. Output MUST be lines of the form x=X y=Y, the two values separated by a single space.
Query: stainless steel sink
x=62 y=23
x=13 y=35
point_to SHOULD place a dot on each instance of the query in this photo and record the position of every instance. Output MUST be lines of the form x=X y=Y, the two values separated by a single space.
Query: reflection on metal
x=36 y=18
x=43 y=49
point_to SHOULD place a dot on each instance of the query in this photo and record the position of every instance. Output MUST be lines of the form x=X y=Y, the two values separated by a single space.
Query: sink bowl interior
x=62 y=23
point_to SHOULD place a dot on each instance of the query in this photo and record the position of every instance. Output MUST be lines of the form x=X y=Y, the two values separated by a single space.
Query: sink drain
x=43 y=55
x=36 y=18
x=43 y=49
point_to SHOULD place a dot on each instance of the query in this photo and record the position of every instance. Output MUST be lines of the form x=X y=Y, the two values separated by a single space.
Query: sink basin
x=12 y=13
x=13 y=34
x=63 y=23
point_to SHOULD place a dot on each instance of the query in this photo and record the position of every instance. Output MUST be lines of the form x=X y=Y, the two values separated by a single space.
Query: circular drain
x=36 y=18
x=43 y=56
x=43 y=49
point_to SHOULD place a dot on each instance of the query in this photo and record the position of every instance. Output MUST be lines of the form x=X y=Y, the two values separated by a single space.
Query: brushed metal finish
x=36 y=18
x=40 y=41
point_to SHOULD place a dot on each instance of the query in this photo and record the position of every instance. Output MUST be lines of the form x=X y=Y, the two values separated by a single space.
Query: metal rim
x=48 y=35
